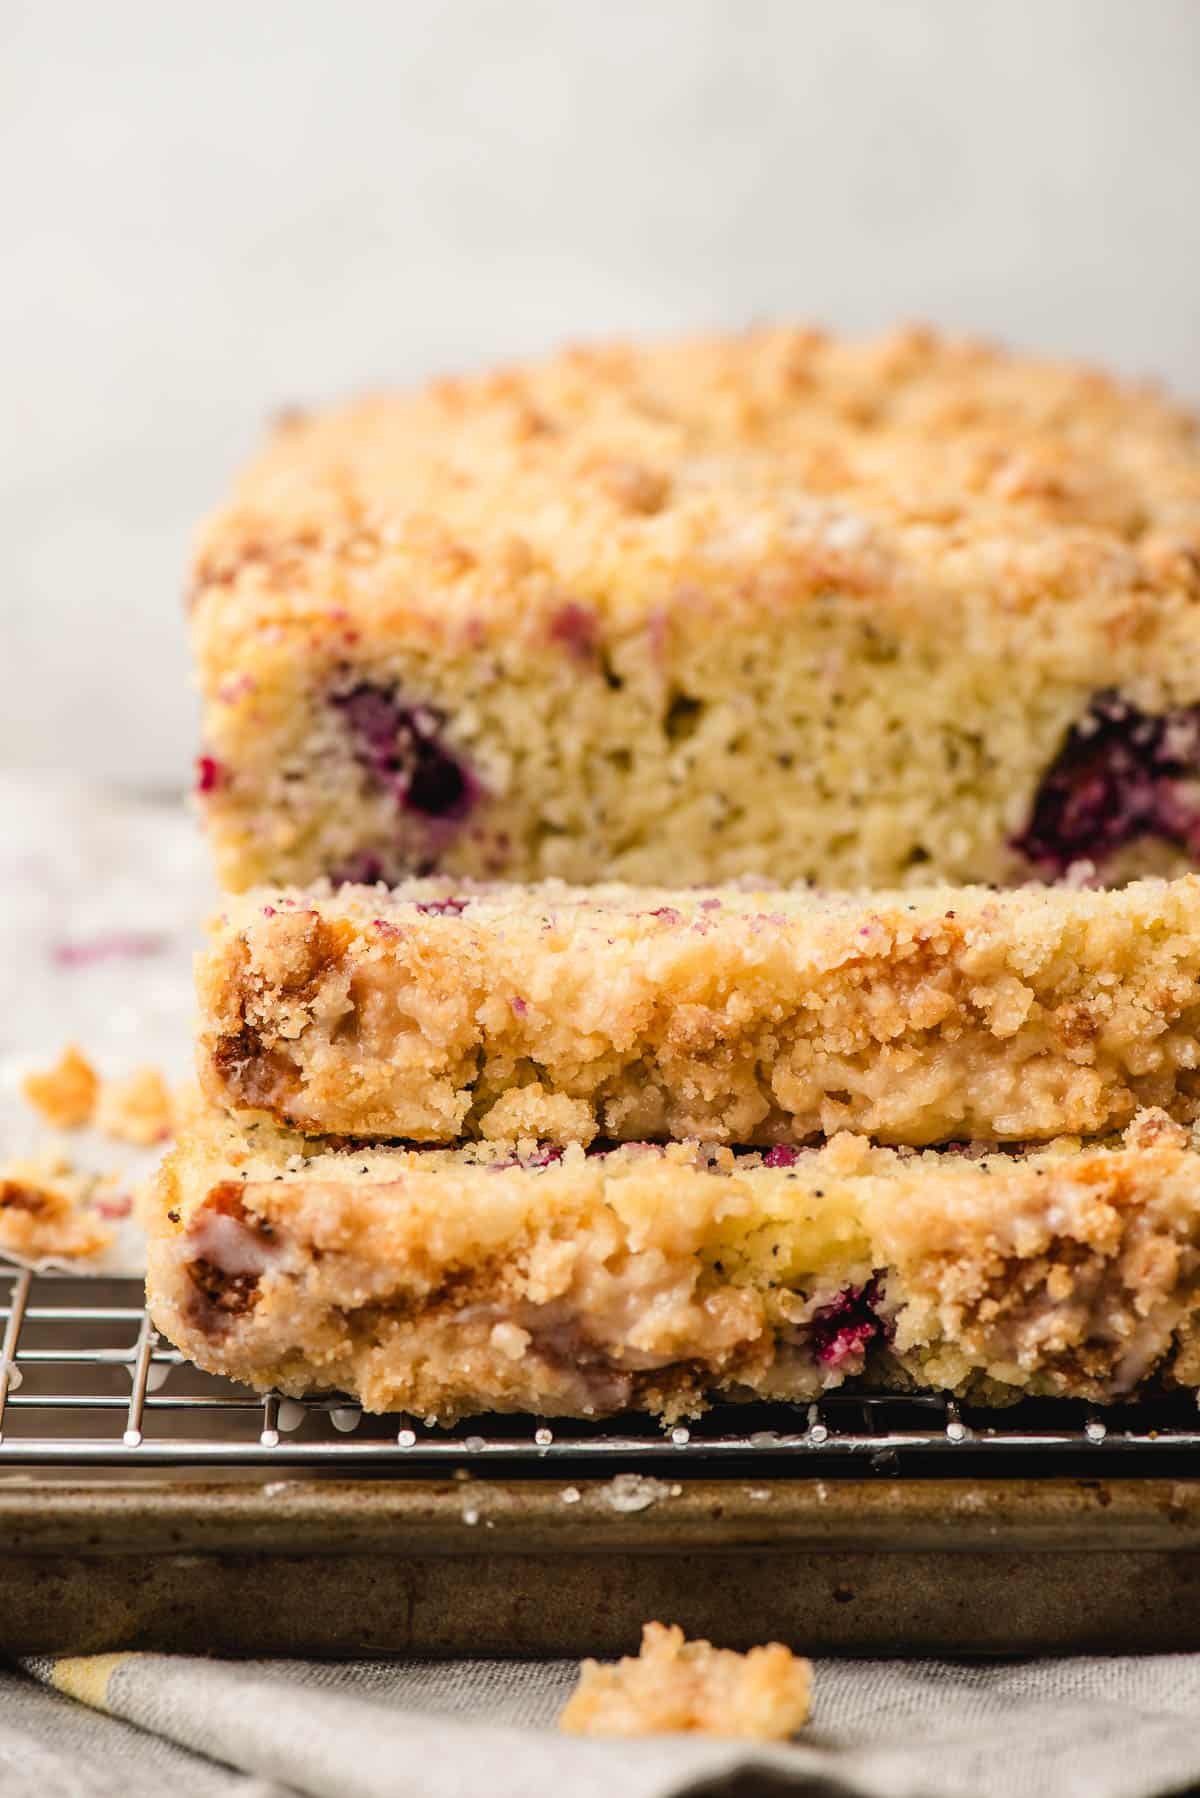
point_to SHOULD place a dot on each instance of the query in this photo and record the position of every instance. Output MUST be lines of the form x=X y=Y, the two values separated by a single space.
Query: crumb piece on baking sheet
x=629 y=1492
x=66 y=1093
x=674 y=1685
x=135 y=1108
x=44 y=1214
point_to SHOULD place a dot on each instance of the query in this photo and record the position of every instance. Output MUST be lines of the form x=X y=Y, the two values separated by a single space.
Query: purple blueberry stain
x=1117 y=778
x=210 y=774
x=844 y=1329
x=402 y=747
x=574 y=627
x=361 y=869
x=781 y=1156
x=545 y=1155
x=112 y=945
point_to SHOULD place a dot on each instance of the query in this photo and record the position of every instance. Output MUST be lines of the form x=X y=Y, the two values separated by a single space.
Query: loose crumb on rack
x=65 y=1094
x=678 y=1686
x=46 y=1210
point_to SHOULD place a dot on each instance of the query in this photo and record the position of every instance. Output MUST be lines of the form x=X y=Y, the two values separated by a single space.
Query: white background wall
x=214 y=206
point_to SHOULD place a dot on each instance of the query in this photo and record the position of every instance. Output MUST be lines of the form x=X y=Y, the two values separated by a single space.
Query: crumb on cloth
x=44 y=1210
x=674 y=1685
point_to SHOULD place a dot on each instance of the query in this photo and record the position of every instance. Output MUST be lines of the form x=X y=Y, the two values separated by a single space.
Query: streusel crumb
x=136 y=1108
x=66 y=1093
x=678 y=1686
x=43 y=1211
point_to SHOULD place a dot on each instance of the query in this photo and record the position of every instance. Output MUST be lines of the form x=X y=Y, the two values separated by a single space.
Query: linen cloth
x=139 y=1725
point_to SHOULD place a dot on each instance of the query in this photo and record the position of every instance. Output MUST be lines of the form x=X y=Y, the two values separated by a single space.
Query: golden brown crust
x=673 y=1685
x=735 y=1015
x=617 y=475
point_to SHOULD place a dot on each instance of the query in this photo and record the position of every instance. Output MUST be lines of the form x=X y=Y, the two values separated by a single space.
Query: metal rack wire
x=86 y=1381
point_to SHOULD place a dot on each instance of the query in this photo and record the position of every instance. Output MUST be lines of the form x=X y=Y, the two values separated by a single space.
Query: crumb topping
x=905 y=470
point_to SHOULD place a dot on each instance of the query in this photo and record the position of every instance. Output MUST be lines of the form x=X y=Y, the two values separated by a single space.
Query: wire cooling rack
x=85 y=1380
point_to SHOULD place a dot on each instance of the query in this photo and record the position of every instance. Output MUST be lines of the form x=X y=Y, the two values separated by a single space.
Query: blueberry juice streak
x=1122 y=775
x=361 y=869
x=401 y=746
x=840 y=1333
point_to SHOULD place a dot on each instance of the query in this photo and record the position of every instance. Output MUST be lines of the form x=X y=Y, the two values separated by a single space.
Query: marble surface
x=102 y=897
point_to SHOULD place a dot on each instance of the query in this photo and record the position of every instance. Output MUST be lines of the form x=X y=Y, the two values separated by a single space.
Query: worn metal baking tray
x=144 y=1504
